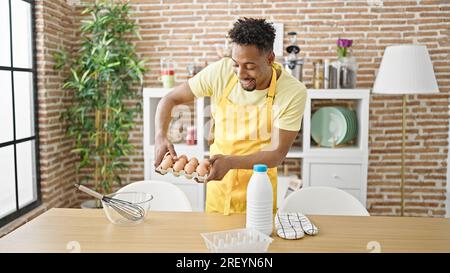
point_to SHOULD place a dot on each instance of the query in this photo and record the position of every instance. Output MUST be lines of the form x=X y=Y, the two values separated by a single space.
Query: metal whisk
x=128 y=210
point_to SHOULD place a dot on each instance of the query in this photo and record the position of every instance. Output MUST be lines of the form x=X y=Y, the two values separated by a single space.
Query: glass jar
x=191 y=136
x=317 y=75
x=167 y=72
x=347 y=72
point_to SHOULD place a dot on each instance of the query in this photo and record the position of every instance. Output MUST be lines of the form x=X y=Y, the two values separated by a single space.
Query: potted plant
x=104 y=79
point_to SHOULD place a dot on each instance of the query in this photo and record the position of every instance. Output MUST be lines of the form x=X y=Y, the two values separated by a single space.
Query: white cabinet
x=335 y=175
x=341 y=167
x=348 y=174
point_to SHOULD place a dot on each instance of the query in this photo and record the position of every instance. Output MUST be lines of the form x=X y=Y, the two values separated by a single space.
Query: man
x=257 y=108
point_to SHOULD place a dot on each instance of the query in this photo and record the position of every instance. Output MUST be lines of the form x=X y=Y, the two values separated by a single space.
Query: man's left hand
x=220 y=165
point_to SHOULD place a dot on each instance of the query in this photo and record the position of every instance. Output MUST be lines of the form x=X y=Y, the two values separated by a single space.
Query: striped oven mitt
x=294 y=225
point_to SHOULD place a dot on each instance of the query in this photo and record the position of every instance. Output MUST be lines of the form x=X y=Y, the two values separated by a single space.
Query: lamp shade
x=406 y=69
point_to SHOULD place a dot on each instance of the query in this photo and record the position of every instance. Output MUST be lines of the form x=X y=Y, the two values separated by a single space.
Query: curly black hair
x=251 y=31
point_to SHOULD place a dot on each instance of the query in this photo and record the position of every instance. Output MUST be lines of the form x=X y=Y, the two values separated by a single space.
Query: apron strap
x=270 y=97
x=228 y=88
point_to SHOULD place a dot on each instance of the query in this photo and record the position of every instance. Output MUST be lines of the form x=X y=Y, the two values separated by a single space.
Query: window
x=19 y=176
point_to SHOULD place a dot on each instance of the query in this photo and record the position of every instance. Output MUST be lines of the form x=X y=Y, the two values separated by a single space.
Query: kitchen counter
x=73 y=230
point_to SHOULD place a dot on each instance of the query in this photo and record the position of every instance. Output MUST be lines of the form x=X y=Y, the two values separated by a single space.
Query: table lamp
x=404 y=70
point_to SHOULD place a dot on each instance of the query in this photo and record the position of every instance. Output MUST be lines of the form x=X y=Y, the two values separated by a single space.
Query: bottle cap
x=260 y=168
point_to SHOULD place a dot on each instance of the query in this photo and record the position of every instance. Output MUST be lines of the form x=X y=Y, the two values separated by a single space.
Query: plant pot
x=91 y=204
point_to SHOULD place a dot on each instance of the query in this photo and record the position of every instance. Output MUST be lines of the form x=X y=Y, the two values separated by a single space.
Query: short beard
x=249 y=89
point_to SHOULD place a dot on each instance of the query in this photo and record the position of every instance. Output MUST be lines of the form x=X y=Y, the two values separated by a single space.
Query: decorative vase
x=347 y=72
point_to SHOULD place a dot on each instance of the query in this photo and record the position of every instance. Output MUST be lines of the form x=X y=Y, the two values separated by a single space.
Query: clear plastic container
x=193 y=175
x=245 y=240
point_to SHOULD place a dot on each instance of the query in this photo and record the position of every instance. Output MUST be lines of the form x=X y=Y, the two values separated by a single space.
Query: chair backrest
x=323 y=201
x=166 y=196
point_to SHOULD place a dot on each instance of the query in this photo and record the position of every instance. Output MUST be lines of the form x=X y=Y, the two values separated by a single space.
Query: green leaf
x=78 y=150
x=74 y=74
x=113 y=64
x=84 y=77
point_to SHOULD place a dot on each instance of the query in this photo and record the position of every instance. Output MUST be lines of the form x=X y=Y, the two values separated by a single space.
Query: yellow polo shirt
x=288 y=104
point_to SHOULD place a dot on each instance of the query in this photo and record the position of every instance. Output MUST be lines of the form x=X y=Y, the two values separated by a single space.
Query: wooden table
x=68 y=230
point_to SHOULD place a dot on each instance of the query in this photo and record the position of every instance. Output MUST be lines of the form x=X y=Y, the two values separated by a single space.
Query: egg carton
x=245 y=240
x=193 y=175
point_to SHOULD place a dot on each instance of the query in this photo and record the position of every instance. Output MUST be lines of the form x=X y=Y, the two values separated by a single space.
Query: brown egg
x=184 y=159
x=190 y=167
x=205 y=162
x=183 y=156
x=179 y=165
x=167 y=162
x=201 y=170
x=194 y=160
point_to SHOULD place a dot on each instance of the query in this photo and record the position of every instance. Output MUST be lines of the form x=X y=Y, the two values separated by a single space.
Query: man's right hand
x=181 y=94
x=162 y=146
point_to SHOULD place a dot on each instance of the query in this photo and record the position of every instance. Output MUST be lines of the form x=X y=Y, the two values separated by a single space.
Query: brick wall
x=54 y=23
x=187 y=30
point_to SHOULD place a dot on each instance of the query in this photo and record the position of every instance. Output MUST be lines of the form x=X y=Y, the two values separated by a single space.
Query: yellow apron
x=229 y=195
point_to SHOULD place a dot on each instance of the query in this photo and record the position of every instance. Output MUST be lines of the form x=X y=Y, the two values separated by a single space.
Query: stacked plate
x=331 y=126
